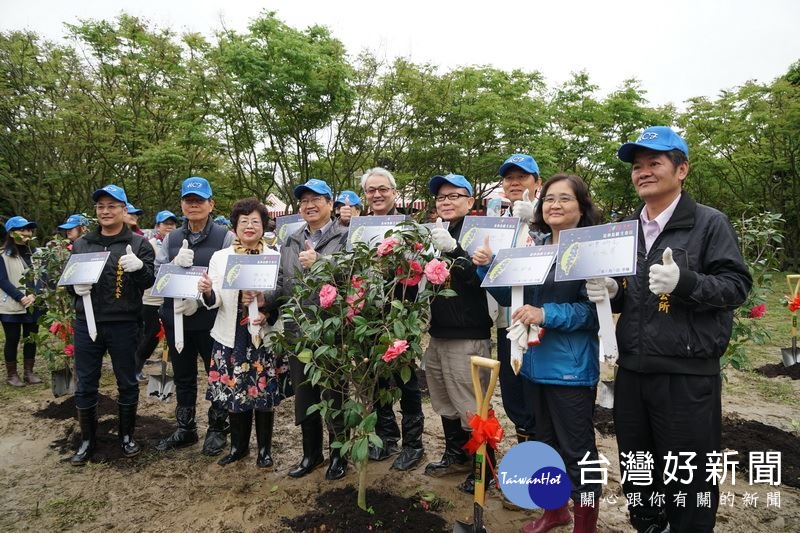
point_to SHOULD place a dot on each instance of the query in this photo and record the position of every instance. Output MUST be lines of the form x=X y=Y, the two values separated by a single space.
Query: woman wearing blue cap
x=16 y=312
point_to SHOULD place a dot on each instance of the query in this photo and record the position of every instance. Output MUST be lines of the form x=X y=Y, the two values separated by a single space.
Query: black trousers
x=564 y=422
x=148 y=341
x=184 y=364
x=119 y=340
x=516 y=391
x=14 y=332
x=669 y=414
x=410 y=404
x=306 y=395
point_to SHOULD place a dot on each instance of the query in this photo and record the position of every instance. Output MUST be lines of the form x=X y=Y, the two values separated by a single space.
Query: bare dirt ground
x=185 y=491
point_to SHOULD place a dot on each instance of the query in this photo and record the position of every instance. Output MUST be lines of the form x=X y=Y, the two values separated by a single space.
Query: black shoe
x=312 y=447
x=408 y=458
x=455 y=459
x=127 y=423
x=388 y=449
x=217 y=433
x=412 y=452
x=87 y=419
x=338 y=467
x=241 y=427
x=265 y=421
x=185 y=434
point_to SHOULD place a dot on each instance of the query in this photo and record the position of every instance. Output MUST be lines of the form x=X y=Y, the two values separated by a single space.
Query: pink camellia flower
x=414 y=275
x=69 y=350
x=252 y=391
x=54 y=327
x=356 y=282
x=758 y=311
x=213 y=376
x=436 y=271
x=327 y=295
x=387 y=245
x=394 y=350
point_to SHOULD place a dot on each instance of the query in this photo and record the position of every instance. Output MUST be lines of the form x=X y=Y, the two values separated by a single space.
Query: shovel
x=482 y=403
x=161 y=386
x=790 y=355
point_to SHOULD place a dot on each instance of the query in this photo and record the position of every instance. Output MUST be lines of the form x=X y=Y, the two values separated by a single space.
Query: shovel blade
x=476 y=526
x=790 y=356
x=155 y=385
x=605 y=394
x=166 y=392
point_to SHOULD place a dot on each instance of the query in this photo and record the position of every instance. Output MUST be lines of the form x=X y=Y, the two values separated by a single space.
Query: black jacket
x=685 y=332
x=117 y=295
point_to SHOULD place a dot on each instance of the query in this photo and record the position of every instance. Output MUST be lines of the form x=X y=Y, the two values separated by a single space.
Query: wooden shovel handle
x=482 y=399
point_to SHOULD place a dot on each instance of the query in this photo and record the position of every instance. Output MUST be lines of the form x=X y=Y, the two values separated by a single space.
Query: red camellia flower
x=69 y=350
x=54 y=327
x=394 y=350
x=758 y=311
x=414 y=275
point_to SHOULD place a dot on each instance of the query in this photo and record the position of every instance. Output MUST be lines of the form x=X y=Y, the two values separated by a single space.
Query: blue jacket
x=569 y=353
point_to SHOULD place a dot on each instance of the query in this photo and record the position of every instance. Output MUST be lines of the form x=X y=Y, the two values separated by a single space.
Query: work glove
x=664 y=278
x=185 y=257
x=441 y=238
x=186 y=307
x=129 y=262
x=524 y=209
x=595 y=289
x=82 y=289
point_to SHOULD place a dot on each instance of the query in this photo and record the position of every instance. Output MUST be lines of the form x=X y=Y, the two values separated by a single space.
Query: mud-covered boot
x=412 y=451
x=455 y=459
x=217 y=433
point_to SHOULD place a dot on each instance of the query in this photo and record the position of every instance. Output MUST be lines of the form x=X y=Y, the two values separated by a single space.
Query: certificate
x=251 y=272
x=371 y=229
x=83 y=269
x=597 y=251
x=500 y=230
x=286 y=225
x=520 y=266
x=173 y=281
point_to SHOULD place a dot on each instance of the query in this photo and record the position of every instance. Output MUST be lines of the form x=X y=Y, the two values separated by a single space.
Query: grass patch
x=70 y=511
x=768 y=389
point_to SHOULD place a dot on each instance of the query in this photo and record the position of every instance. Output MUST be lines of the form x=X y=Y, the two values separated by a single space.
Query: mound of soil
x=65 y=409
x=777 y=369
x=336 y=511
x=604 y=420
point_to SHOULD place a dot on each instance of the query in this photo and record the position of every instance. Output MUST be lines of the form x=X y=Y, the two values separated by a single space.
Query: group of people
x=675 y=323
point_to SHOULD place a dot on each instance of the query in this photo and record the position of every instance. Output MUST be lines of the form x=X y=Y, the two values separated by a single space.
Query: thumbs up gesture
x=185 y=257
x=483 y=255
x=524 y=209
x=664 y=278
x=129 y=262
x=308 y=256
x=441 y=238
x=345 y=212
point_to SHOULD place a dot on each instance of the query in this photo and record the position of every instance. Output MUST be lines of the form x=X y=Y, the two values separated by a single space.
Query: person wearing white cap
x=16 y=300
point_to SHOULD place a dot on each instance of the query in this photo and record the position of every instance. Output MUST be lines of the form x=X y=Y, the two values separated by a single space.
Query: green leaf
x=368 y=424
x=305 y=356
x=405 y=374
x=360 y=449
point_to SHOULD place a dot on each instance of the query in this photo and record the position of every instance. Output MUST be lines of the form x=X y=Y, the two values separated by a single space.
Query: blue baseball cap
x=222 y=221
x=132 y=210
x=73 y=221
x=524 y=162
x=658 y=138
x=115 y=192
x=347 y=195
x=163 y=216
x=19 y=222
x=453 y=179
x=313 y=185
x=196 y=185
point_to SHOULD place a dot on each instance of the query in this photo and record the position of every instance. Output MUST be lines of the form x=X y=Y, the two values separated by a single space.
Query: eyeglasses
x=255 y=222
x=382 y=190
x=316 y=200
x=193 y=200
x=517 y=177
x=453 y=196
x=108 y=207
x=550 y=199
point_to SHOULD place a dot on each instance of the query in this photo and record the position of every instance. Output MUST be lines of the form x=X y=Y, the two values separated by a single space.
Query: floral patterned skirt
x=244 y=377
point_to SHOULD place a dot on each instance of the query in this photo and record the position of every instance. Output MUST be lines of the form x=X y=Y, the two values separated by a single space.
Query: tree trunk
x=361 y=466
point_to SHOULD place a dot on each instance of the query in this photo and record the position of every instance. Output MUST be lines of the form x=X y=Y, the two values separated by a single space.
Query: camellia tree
x=373 y=307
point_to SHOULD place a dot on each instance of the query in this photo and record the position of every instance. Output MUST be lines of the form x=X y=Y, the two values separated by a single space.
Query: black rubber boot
x=386 y=428
x=241 y=427
x=185 y=434
x=127 y=423
x=455 y=459
x=468 y=485
x=312 y=447
x=217 y=434
x=87 y=419
x=338 y=465
x=412 y=452
x=265 y=421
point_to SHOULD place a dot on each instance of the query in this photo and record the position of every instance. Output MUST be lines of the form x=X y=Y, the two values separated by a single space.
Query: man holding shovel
x=675 y=324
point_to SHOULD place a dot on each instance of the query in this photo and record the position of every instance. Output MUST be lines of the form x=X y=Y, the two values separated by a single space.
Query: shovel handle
x=482 y=399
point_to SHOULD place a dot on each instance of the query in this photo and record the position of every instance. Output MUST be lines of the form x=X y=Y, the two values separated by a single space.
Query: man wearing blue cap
x=675 y=324
x=347 y=206
x=193 y=244
x=318 y=238
x=116 y=302
x=460 y=326
x=74 y=227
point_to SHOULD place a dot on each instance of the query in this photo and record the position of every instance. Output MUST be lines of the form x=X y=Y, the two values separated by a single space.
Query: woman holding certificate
x=564 y=366
x=244 y=371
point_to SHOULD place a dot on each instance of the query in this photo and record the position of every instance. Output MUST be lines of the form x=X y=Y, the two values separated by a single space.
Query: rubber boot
x=87 y=420
x=127 y=423
x=523 y=436
x=241 y=427
x=312 y=446
x=586 y=518
x=338 y=465
x=386 y=428
x=265 y=421
x=185 y=434
x=455 y=459
x=650 y=524
x=217 y=433
x=29 y=375
x=412 y=452
x=468 y=485
x=13 y=377
x=549 y=520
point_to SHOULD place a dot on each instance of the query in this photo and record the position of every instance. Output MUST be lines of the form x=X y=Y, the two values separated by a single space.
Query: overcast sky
x=677 y=49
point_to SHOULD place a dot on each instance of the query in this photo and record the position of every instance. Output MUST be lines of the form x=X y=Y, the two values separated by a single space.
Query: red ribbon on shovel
x=486 y=430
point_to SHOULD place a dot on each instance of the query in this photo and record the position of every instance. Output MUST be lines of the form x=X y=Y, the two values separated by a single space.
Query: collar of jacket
x=203 y=233
x=125 y=235
x=333 y=231
x=683 y=217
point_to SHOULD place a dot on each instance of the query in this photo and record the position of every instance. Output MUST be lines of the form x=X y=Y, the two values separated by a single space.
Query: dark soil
x=743 y=436
x=336 y=511
x=65 y=409
x=777 y=369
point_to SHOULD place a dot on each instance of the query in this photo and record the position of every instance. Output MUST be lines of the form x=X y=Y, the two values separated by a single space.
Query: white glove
x=185 y=257
x=186 y=307
x=664 y=278
x=82 y=289
x=596 y=289
x=129 y=262
x=442 y=240
x=518 y=332
x=524 y=208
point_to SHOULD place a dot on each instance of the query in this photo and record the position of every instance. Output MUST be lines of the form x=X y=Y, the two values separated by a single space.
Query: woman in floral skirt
x=244 y=371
